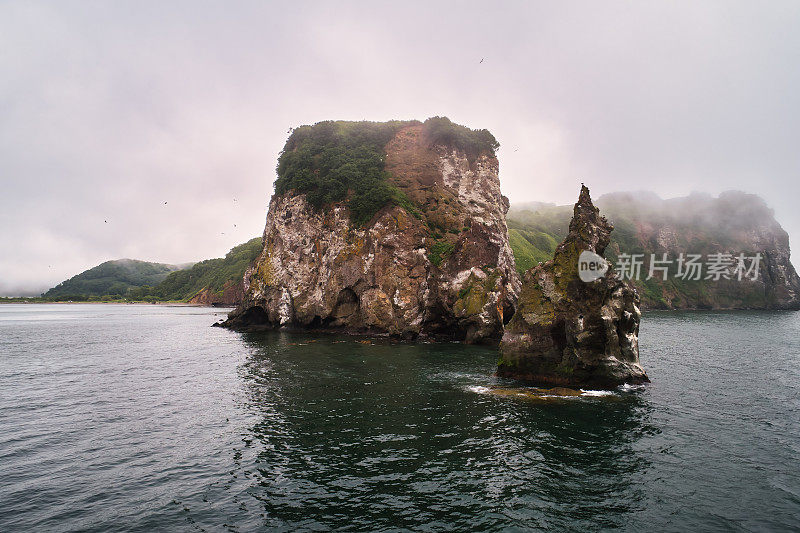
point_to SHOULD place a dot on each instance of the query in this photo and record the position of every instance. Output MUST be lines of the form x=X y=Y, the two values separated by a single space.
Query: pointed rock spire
x=588 y=226
x=571 y=329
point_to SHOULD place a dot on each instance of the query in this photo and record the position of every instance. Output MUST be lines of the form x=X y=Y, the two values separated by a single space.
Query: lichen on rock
x=571 y=332
x=437 y=263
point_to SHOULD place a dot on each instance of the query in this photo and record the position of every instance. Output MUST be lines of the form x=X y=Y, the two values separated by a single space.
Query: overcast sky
x=110 y=109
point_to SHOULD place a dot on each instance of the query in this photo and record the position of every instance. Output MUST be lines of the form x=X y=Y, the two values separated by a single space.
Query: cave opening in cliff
x=508 y=313
x=254 y=316
x=347 y=308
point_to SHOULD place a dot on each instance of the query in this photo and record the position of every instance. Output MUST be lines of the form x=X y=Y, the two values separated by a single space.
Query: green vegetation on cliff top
x=341 y=161
x=442 y=131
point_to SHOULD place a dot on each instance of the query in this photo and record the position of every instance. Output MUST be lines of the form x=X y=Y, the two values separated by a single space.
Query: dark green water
x=142 y=418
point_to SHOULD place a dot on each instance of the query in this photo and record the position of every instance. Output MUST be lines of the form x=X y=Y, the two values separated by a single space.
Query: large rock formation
x=440 y=265
x=571 y=332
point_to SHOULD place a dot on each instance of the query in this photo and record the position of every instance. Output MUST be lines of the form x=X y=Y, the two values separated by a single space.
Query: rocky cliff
x=415 y=244
x=231 y=294
x=572 y=328
x=733 y=223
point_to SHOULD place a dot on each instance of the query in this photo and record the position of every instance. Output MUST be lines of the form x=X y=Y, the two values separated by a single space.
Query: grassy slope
x=211 y=274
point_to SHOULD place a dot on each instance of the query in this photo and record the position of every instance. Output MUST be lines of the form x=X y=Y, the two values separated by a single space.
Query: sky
x=148 y=130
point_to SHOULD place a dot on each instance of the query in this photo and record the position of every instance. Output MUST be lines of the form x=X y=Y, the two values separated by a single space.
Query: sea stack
x=393 y=228
x=575 y=327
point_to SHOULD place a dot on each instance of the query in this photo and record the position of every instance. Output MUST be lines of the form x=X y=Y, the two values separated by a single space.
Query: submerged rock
x=437 y=263
x=571 y=332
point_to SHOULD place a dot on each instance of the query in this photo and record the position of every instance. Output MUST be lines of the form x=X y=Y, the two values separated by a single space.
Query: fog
x=148 y=129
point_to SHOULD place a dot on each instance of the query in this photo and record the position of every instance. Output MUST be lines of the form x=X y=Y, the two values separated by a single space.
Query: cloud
x=108 y=110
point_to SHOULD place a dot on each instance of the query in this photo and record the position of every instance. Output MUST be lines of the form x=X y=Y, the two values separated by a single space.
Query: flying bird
x=481 y=61
x=165 y=203
x=106 y=221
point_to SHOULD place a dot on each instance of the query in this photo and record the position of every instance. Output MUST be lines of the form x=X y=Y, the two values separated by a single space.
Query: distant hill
x=734 y=222
x=213 y=281
x=112 y=278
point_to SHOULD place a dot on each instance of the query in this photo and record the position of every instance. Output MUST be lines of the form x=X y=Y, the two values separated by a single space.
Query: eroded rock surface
x=570 y=332
x=442 y=269
x=231 y=294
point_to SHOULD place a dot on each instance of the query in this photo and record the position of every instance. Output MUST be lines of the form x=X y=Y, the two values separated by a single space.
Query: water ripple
x=140 y=418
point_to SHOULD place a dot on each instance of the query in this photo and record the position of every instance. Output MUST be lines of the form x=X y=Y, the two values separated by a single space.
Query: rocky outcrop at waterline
x=432 y=260
x=571 y=332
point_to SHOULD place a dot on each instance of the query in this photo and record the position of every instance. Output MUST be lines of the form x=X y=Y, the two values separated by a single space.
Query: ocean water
x=143 y=418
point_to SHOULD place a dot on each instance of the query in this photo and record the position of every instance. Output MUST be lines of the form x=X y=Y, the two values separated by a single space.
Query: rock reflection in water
x=393 y=435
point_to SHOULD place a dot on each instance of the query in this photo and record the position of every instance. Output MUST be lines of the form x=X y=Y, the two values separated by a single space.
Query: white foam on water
x=596 y=392
x=627 y=387
x=480 y=389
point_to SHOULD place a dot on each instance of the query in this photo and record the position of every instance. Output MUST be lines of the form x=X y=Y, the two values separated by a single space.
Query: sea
x=146 y=418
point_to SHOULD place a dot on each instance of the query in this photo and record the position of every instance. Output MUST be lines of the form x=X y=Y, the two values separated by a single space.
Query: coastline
x=170 y=304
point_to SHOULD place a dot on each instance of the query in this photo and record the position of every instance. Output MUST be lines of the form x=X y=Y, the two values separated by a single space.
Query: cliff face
x=439 y=265
x=732 y=223
x=231 y=294
x=575 y=328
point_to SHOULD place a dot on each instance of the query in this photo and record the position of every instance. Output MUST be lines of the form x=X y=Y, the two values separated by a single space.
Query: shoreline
x=172 y=304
